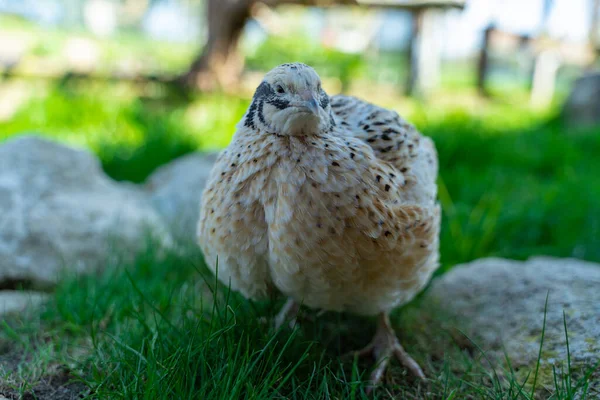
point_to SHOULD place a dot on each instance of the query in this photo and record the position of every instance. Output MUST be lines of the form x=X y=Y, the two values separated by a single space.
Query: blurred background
x=506 y=88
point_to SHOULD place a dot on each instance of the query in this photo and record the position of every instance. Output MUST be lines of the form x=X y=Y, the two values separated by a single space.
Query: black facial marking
x=263 y=91
x=261 y=116
x=249 y=122
x=324 y=100
x=278 y=103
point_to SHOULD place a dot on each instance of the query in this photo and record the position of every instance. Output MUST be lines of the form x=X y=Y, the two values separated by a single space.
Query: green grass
x=518 y=193
x=164 y=329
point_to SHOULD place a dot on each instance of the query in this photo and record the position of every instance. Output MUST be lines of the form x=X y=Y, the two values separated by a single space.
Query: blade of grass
x=539 y=358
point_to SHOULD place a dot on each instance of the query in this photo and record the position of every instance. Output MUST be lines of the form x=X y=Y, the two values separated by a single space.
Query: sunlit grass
x=133 y=131
x=165 y=329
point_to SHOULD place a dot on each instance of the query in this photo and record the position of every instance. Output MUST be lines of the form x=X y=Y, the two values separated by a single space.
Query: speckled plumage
x=336 y=210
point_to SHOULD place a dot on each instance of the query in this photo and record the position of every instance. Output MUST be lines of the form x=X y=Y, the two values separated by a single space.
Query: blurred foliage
x=389 y=69
x=131 y=131
x=512 y=182
x=329 y=62
x=126 y=51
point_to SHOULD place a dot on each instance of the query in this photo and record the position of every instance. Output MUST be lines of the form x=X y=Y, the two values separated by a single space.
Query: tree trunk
x=220 y=65
x=483 y=64
x=414 y=48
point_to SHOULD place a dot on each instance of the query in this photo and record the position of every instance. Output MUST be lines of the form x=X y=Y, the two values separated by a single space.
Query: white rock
x=175 y=191
x=501 y=303
x=58 y=210
x=18 y=301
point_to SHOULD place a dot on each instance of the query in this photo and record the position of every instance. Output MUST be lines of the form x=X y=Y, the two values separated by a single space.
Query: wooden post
x=430 y=51
x=418 y=64
x=546 y=64
x=484 y=61
x=220 y=64
x=544 y=78
x=411 y=64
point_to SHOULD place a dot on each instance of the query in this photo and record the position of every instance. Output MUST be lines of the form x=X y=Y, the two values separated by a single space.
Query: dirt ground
x=60 y=384
x=55 y=387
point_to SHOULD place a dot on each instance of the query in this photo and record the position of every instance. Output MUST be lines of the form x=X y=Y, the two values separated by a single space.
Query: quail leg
x=289 y=311
x=384 y=345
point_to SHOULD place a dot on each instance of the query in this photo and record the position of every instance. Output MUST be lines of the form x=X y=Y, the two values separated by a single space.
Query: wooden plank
x=413 y=4
x=414 y=75
x=483 y=64
x=424 y=55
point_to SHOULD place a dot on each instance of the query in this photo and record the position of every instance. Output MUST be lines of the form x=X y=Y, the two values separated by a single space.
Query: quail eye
x=280 y=89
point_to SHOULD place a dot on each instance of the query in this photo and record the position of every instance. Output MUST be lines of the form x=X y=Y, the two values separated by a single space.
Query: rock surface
x=582 y=108
x=175 y=191
x=500 y=304
x=58 y=210
x=18 y=301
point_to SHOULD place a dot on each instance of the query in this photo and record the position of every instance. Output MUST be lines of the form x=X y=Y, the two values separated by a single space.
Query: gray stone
x=582 y=108
x=501 y=304
x=59 y=211
x=175 y=191
x=12 y=301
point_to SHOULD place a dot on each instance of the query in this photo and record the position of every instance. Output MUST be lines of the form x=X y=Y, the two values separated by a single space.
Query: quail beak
x=310 y=102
